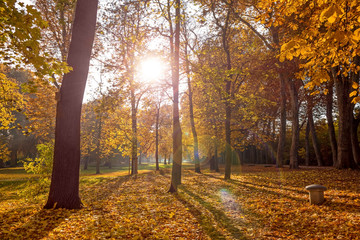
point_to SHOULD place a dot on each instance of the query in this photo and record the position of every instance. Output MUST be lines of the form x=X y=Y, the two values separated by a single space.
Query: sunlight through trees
x=201 y=87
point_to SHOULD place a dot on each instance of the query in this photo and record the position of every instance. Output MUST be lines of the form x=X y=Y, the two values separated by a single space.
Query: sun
x=151 y=69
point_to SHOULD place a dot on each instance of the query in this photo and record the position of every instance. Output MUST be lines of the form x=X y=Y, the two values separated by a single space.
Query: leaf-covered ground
x=258 y=203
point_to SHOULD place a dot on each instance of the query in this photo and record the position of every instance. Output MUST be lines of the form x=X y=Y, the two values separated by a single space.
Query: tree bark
x=216 y=158
x=157 y=138
x=64 y=188
x=294 y=157
x=354 y=139
x=228 y=152
x=98 y=146
x=283 y=80
x=330 y=121
x=13 y=157
x=177 y=134
x=314 y=138
x=307 y=145
x=109 y=164
x=86 y=162
x=192 y=122
x=345 y=156
x=134 y=158
x=355 y=120
x=211 y=161
x=282 y=133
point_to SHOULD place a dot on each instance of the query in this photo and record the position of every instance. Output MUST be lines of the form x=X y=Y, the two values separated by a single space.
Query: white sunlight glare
x=151 y=69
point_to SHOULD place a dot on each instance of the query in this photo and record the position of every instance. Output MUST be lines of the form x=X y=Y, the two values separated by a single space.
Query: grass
x=119 y=170
x=14 y=180
x=17 y=173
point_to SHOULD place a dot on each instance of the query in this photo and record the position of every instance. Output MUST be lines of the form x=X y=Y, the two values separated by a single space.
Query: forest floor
x=259 y=202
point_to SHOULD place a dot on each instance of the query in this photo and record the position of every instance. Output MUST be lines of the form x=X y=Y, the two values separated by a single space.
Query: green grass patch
x=17 y=173
x=119 y=170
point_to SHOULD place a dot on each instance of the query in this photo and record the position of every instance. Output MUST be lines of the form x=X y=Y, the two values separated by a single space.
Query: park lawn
x=257 y=203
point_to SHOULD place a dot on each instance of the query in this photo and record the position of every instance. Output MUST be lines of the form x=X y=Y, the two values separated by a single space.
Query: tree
x=224 y=23
x=11 y=100
x=328 y=23
x=330 y=122
x=157 y=135
x=124 y=22
x=165 y=132
x=88 y=130
x=310 y=106
x=190 y=95
x=152 y=117
x=177 y=134
x=20 y=32
x=64 y=188
x=59 y=17
x=11 y=103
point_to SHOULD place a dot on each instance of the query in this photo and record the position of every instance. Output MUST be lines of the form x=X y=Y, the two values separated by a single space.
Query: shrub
x=41 y=166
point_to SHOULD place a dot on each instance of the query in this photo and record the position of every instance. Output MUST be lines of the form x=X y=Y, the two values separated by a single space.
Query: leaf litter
x=257 y=203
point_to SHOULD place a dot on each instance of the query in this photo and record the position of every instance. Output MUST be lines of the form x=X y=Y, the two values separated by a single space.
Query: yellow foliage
x=356 y=100
x=315 y=92
x=353 y=93
x=355 y=85
x=41 y=110
x=356 y=35
x=11 y=100
x=331 y=13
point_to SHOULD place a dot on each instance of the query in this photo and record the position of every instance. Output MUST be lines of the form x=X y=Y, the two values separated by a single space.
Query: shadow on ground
x=222 y=220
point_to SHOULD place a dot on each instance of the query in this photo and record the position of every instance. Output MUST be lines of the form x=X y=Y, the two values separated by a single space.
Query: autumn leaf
x=356 y=35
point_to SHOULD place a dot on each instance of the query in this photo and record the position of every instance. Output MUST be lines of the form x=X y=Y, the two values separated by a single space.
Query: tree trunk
x=345 y=156
x=355 y=119
x=98 y=159
x=228 y=152
x=259 y=156
x=177 y=134
x=330 y=122
x=157 y=138
x=64 y=188
x=266 y=152
x=238 y=156
x=216 y=158
x=211 y=161
x=129 y=165
x=191 y=113
x=314 y=138
x=109 y=164
x=134 y=158
x=193 y=129
x=355 y=140
x=86 y=162
x=307 y=144
x=13 y=157
x=282 y=133
x=294 y=157
x=283 y=79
